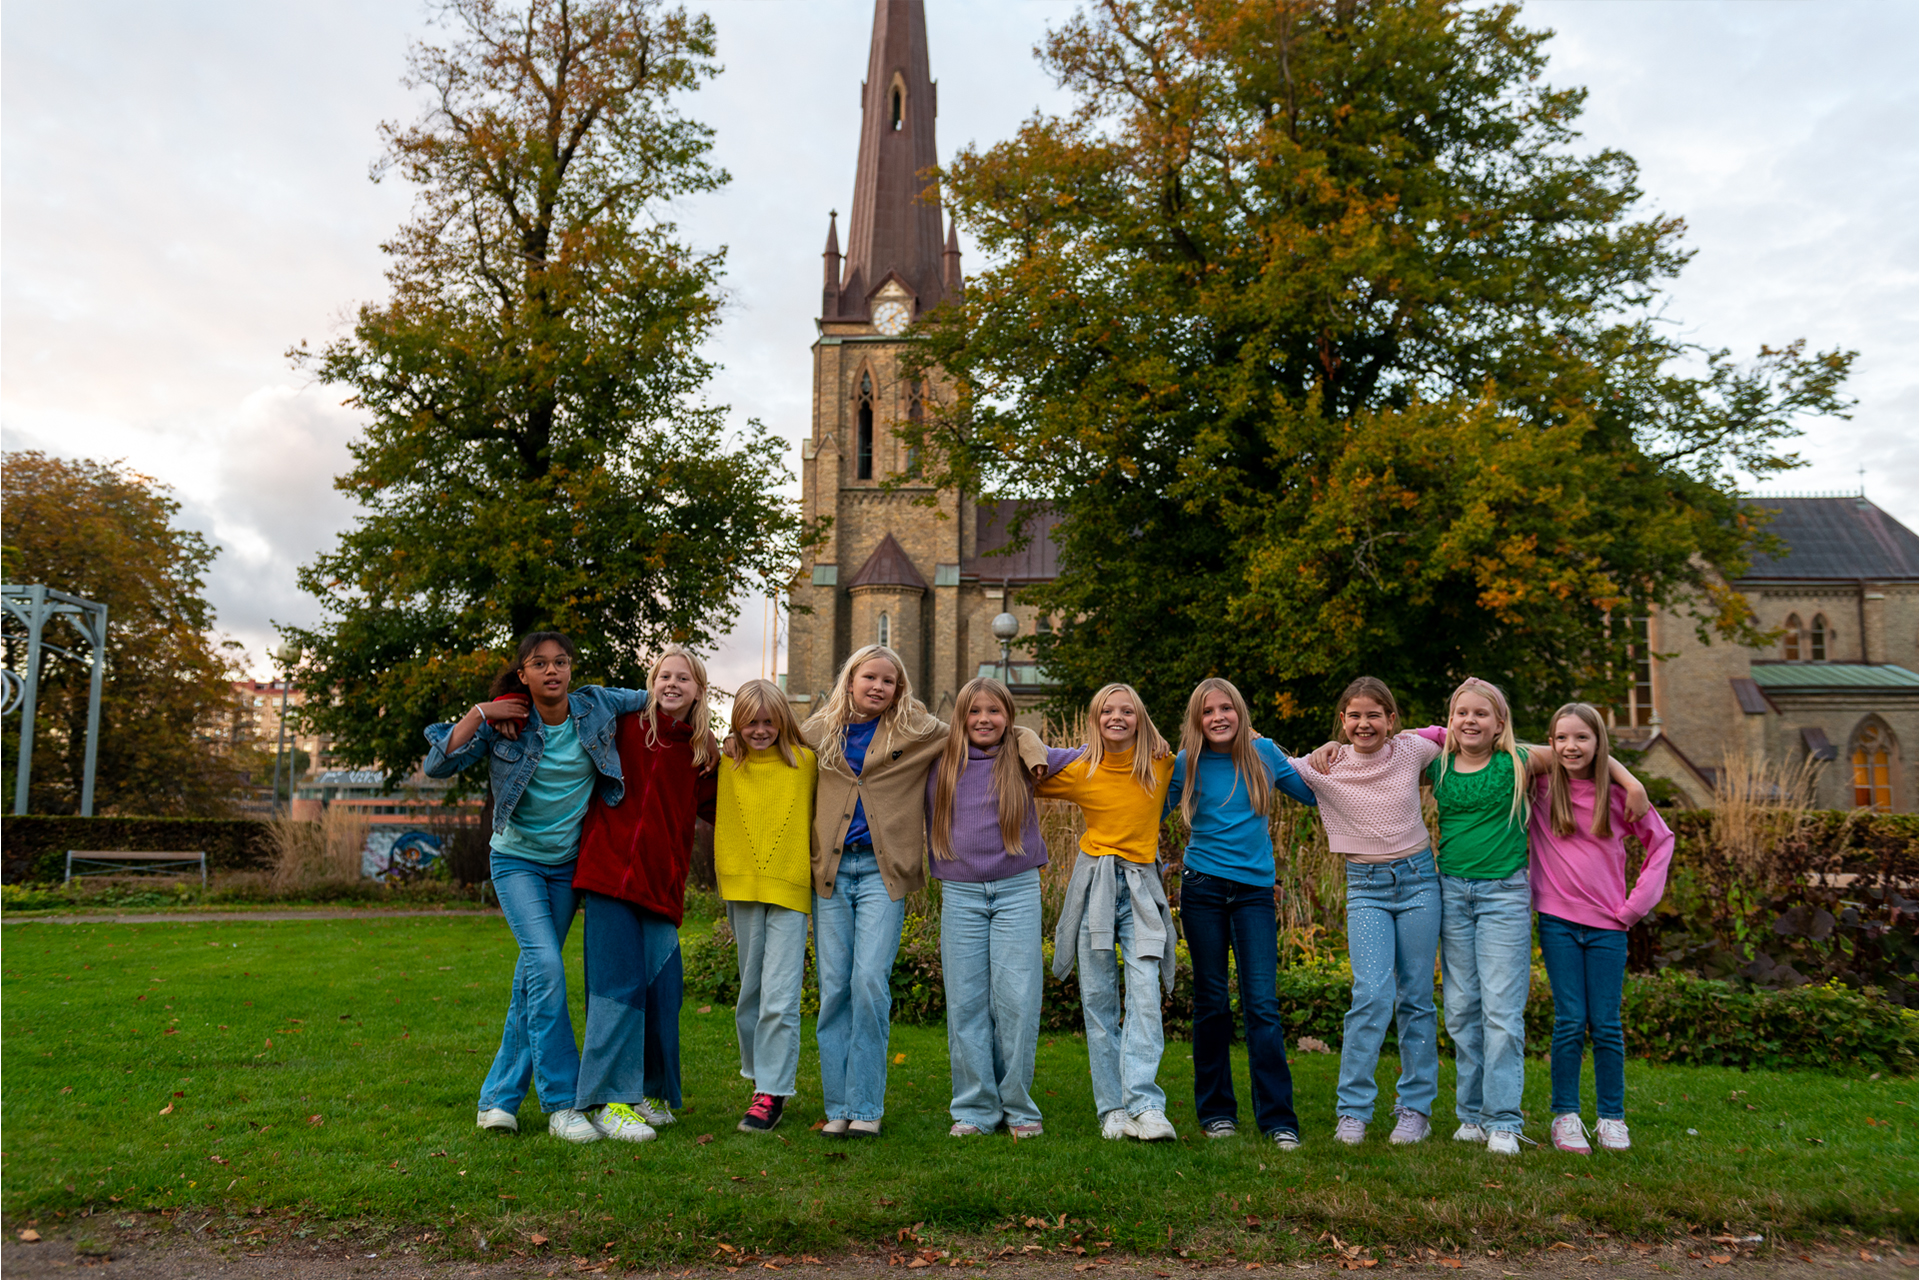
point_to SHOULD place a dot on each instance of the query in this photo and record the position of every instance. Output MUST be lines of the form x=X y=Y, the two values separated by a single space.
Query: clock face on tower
x=891 y=317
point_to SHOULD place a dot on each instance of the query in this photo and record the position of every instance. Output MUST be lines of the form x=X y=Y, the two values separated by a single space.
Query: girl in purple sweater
x=987 y=853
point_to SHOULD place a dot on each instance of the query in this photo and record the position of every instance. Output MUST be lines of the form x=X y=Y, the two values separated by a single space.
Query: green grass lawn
x=327 y=1071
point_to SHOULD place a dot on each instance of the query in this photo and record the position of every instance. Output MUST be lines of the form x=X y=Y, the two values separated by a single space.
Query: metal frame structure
x=33 y=608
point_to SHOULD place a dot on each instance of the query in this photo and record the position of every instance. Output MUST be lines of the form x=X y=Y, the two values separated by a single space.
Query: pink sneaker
x=762 y=1114
x=1570 y=1135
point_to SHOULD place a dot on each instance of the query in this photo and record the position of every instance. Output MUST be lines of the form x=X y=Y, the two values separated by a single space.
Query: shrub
x=33 y=847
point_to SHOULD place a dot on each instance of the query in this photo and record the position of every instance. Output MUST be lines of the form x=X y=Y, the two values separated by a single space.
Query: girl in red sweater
x=633 y=875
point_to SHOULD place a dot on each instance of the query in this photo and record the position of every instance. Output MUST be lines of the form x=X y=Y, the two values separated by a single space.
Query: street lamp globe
x=1005 y=627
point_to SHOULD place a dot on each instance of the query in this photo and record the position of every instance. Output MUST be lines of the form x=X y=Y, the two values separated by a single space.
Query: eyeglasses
x=540 y=666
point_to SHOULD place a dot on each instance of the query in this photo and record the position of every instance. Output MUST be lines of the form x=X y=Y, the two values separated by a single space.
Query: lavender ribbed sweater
x=978 y=854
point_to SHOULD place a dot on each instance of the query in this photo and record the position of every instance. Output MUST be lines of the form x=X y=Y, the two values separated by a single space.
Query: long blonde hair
x=1009 y=786
x=1503 y=743
x=1148 y=745
x=1246 y=761
x=699 y=716
x=751 y=700
x=904 y=713
x=1560 y=794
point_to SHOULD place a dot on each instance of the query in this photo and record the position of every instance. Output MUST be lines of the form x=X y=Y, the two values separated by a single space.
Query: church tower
x=899 y=567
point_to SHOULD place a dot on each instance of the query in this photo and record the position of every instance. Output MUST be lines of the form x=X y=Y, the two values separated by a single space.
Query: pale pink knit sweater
x=1371 y=803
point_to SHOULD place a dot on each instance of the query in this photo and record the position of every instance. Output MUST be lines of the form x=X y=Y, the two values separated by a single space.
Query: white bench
x=111 y=860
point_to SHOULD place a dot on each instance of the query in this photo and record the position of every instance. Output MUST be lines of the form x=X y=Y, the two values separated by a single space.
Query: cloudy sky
x=186 y=196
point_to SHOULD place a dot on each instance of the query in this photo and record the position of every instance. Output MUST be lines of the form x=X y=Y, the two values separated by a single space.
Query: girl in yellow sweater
x=762 y=856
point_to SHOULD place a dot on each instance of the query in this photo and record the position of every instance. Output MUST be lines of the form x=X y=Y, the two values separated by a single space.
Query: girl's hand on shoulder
x=732 y=748
x=506 y=715
x=1323 y=757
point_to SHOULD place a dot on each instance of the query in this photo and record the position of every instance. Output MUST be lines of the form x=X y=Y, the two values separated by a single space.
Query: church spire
x=890 y=228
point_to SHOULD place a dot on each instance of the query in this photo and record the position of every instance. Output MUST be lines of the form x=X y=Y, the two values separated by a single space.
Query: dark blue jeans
x=1216 y=914
x=1586 y=968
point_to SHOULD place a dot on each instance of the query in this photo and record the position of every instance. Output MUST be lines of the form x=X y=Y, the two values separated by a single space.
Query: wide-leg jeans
x=856 y=936
x=536 y=1044
x=1393 y=933
x=1123 y=1056
x=634 y=987
x=991 y=960
x=1586 y=968
x=1486 y=955
x=771 y=943
x=1215 y=914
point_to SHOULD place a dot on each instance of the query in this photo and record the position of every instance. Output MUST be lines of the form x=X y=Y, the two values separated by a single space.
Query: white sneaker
x=1116 y=1124
x=654 y=1112
x=1412 y=1127
x=1503 y=1142
x=1612 y=1135
x=570 y=1125
x=834 y=1129
x=1153 y=1126
x=621 y=1122
x=1570 y=1135
x=495 y=1118
x=1351 y=1130
x=1469 y=1133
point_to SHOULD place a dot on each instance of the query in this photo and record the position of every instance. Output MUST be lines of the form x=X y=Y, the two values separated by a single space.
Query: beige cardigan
x=893 y=787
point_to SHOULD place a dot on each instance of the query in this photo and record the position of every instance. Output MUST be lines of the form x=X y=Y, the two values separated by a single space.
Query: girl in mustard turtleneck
x=762 y=829
x=1117 y=896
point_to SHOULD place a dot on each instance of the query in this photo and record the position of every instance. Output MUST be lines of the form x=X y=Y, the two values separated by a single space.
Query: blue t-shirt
x=545 y=826
x=1228 y=838
x=859 y=737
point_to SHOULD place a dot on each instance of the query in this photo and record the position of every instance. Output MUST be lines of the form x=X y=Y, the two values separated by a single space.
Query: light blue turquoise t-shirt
x=545 y=826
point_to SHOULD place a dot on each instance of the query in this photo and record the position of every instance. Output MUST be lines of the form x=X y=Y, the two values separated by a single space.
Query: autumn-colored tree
x=1339 y=356
x=100 y=530
x=537 y=453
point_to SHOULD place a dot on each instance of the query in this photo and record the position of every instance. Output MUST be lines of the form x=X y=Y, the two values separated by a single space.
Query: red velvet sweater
x=639 y=850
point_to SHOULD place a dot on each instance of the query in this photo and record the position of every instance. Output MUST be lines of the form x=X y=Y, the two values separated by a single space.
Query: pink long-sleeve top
x=1582 y=877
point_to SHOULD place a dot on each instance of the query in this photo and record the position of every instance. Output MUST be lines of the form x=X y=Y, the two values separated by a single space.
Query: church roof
x=1836 y=538
x=1833 y=677
x=1037 y=561
x=888 y=566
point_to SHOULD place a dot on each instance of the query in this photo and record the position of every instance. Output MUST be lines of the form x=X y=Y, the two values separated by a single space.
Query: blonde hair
x=754 y=698
x=1364 y=687
x=1560 y=794
x=1503 y=743
x=1148 y=745
x=1009 y=785
x=699 y=716
x=905 y=712
x=1246 y=761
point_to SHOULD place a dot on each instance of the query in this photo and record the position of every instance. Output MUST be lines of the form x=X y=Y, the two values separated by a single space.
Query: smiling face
x=1575 y=746
x=675 y=686
x=762 y=731
x=1219 y=720
x=986 y=721
x=1118 y=721
x=873 y=688
x=1475 y=723
x=1366 y=723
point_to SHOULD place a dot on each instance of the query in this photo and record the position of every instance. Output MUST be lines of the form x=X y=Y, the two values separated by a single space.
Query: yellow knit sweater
x=763 y=827
x=1122 y=818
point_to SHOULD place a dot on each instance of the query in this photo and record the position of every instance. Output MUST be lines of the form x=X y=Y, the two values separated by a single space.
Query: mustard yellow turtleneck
x=1122 y=817
x=762 y=829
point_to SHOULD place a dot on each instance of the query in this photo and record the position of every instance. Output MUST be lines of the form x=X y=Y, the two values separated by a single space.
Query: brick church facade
x=909 y=566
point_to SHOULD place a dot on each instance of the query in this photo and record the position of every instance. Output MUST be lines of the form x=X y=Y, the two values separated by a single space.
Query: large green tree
x=537 y=454
x=103 y=531
x=1339 y=355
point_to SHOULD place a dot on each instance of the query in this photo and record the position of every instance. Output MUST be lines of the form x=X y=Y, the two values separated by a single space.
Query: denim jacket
x=511 y=761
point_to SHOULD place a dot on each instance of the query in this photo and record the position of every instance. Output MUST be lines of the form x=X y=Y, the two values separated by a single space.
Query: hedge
x=33 y=847
x=1669 y=1017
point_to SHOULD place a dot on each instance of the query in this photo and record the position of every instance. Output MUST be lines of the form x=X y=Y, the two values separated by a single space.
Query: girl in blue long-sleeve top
x=1223 y=784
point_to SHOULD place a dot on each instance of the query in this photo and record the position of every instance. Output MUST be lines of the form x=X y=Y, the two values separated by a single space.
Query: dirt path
x=243 y=917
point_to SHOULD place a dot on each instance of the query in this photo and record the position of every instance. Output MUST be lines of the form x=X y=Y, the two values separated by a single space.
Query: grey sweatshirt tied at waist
x=1090 y=896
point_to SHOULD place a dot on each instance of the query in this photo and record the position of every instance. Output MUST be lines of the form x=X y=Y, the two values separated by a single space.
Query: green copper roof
x=1833 y=675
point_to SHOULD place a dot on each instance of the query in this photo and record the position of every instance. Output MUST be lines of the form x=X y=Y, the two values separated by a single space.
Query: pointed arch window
x=883 y=633
x=916 y=418
x=1874 y=755
x=896 y=105
x=1791 y=645
x=863 y=451
x=1817 y=639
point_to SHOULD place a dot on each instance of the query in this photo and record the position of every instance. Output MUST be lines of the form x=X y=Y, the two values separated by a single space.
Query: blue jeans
x=536 y=1045
x=1124 y=1057
x=1486 y=960
x=990 y=958
x=1216 y=914
x=856 y=935
x=1393 y=932
x=1586 y=968
x=634 y=986
x=771 y=943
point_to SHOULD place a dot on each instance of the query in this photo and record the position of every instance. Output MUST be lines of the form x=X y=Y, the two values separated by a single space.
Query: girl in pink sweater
x=1579 y=875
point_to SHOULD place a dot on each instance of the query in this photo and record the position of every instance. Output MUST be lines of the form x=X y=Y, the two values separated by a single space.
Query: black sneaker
x=1220 y=1128
x=763 y=1114
x=1285 y=1139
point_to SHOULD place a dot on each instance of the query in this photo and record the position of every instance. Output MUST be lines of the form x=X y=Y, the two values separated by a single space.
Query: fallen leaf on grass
x=899 y=1058
x=29 y=1235
x=69 y=1089
x=705 y=1008
x=167 y=1110
x=1558 y=1244
x=1494 y=1185
x=703 y=1140
x=1311 y=1044
x=316 y=1119
x=1720 y=1259
x=1451 y=1262
x=536 y=1239
x=819 y=1124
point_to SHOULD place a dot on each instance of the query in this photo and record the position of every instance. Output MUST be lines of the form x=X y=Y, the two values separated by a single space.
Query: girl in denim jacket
x=542 y=769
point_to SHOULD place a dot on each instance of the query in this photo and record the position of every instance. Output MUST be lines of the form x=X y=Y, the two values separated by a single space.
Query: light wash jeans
x=1587 y=968
x=991 y=961
x=635 y=981
x=771 y=943
x=1124 y=1057
x=856 y=935
x=536 y=1045
x=1486 y=955
x=1393 y=932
